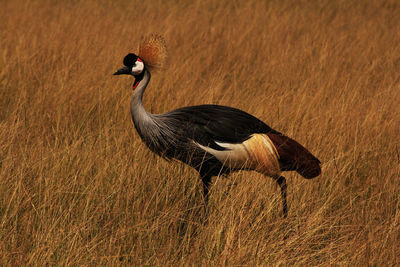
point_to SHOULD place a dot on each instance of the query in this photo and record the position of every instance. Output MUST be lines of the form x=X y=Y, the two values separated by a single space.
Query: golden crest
x=153 y=51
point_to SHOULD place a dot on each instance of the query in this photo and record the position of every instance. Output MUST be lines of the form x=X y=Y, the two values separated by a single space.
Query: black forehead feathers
x=130 y=59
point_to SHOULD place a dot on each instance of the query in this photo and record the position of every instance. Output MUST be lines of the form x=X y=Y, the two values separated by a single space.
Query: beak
x=123 y=70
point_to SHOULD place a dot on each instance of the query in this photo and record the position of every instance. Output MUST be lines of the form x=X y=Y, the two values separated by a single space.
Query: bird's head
x=133 y=65
x=152 y=56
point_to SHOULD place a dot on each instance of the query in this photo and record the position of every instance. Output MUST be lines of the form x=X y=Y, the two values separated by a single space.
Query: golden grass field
x=78 y=187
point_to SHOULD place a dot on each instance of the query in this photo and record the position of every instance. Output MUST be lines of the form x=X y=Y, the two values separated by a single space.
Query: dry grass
x=78 y=187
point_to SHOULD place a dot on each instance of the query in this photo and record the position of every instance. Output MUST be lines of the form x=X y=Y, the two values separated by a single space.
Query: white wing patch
x=256 y=153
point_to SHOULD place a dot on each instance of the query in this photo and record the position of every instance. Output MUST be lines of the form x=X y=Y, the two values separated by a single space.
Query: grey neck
x=151 y=127
x=140 y=116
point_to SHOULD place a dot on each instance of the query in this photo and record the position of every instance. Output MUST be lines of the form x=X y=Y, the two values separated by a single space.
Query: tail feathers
x=294 y=157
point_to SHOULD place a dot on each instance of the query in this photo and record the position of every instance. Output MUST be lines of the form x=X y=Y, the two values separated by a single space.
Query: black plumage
x=220 y=123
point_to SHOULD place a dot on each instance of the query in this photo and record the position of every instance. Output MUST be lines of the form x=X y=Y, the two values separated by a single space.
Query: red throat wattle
x=135 y=84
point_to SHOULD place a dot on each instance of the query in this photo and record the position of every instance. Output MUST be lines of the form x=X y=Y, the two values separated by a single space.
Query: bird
x=213 y=139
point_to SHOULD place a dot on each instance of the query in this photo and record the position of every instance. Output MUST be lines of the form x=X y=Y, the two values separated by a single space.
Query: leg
x=282 y=184
x=206 y=179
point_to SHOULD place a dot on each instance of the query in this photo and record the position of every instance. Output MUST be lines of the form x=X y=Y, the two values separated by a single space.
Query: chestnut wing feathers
x=295 y=157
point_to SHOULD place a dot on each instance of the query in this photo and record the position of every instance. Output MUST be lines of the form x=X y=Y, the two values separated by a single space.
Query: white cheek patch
x=138 y=67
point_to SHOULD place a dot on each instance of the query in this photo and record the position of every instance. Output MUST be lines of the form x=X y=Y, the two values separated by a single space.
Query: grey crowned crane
x=212 y=139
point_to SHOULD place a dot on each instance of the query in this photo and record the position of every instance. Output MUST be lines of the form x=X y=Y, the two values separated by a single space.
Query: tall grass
x=78 y=187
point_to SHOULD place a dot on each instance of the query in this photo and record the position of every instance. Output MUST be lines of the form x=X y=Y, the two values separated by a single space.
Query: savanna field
x=78 y=186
